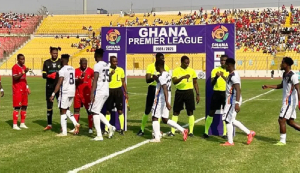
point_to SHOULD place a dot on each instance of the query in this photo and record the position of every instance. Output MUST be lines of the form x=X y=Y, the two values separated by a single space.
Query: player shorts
x=64 y=101
x=218 y=100
x=184 y=97
x=98 y=103
x=229 y=113
x=115 y=99
x=160 y=110
x=20 y=99
x=82 y=100
x=288 y=111
x=150 y=99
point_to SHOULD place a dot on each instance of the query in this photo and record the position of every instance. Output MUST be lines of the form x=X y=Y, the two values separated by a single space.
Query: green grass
x=34 y=150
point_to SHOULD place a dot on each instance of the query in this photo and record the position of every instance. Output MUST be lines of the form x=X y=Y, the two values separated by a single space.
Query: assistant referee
x=218 y=81
x=185 y=79
x=151 y=77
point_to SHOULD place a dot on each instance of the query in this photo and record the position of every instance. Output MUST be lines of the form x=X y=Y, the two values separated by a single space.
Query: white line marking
x=140 y=144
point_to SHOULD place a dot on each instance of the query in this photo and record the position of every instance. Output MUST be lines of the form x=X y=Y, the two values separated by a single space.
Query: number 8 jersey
x=68 y=85
x=103 y=80
x=163 y=79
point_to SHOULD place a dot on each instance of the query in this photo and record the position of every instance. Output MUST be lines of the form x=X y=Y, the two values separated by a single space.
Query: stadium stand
x=9 y=44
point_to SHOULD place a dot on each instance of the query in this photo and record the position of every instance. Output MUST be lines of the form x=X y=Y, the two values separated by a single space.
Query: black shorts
x=115 y=99
x=218 y=99
x=49 y=91
x=150 y=99
x=185 y=97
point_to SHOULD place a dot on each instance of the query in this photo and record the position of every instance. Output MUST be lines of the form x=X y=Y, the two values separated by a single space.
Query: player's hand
x=51 y=98
x=26 y=70
x=197 y=99
x=112 y=72
x=237 y=108
x=28 y=91
x=126 y=96
x=218 y=74
x=2 y=93
x=82 y=75
x=264 y=87
x=221 y=74
x=187 y=76
x=168 y=106
x=52 y=75
x=92 y=98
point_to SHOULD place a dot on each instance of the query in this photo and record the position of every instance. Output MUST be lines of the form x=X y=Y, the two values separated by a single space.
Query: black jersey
x=49 y=67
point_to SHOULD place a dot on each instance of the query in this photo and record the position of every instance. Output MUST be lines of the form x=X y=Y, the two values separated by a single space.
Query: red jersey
x=19 y=85
x=85 y=84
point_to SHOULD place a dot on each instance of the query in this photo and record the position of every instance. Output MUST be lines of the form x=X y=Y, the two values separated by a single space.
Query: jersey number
x=106 y=75
x=71 y=79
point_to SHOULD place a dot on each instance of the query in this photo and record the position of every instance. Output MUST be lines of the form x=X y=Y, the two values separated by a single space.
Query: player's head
x=21 y=59
x=159 y=65
x=159 y=56
x=65 y=59
x=113 y=61
x=185 y=62
x=286 y=63
x=83 y=63
x=223 y=60
x=54 y=52
x=98 y=54
x=229 y=64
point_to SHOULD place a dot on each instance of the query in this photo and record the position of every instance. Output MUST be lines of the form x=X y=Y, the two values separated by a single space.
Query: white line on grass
x=140 y=144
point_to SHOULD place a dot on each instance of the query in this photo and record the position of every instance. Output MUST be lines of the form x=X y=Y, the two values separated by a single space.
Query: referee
x=50 y=73
x=115 y=99
x=185 y=79
x=151 y=77
x=218 y=81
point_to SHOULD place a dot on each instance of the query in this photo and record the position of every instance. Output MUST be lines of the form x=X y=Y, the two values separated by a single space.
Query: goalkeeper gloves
x=52 y=75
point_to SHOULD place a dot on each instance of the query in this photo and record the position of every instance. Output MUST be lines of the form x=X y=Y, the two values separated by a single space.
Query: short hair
x=65 y=56
x=224 y=56
x=111 y=57
x=83 y=59
x=230 y=61
x=19 y=55
x=99 y=52
x=158 y=55
x=159 y=63
x=183 y=58
x=55 y=48
x=289 y=61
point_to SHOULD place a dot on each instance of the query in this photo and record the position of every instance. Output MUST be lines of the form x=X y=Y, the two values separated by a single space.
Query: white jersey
x=103 y=80
x=68 y=85
x=289 y=93
x=233 y=78
x=163 y=79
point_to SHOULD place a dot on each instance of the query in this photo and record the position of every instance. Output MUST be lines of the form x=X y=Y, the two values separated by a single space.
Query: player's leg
x=17 y=103
x=149 y=103
x=63 y=122
x=109 y=106
x=119 y=105
x=189 y=102
x=177 y=107
x=156 y=114
x=94 y=109
x=49 y=91
x=67 y=105
x=77 y=105
x=285 y=113
x=87 y=101
x=250 y=133
x=291 y=122
x=23 y=109
x=229 y=114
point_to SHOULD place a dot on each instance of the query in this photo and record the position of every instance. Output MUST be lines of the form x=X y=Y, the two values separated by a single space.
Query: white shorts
x=229 y=113
x=160 y=110
x=99 y=101
x=288 y=111
x=64 y=101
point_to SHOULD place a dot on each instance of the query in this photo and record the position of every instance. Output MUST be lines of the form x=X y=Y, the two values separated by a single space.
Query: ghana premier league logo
x=220 y=33
x=113 y=36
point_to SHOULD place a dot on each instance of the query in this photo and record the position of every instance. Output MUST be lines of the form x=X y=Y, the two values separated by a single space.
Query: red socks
x=15 y=116
x=76 y=116
x=23 y=116
x=90 y=118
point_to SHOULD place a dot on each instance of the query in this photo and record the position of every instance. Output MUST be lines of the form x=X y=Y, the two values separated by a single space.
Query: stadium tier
x=9 y=44
x=11 y=23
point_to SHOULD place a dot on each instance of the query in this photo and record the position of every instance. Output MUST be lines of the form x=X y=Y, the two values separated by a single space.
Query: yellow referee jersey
x=151 y=70
x=185 y=84
x=221 y=83
x=116 y=81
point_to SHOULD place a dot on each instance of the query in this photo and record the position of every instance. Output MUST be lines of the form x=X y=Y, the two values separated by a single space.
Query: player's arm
x=17 y=76
x=1 y=89
x=214 y=77
x=45 y=70
x=94 y=85
x=196 y=87
x=237 y=88
x=165 y=89
x=110 y=75
x=57 y=87
x=279 y=86
x=150 y=79
x=124 y=88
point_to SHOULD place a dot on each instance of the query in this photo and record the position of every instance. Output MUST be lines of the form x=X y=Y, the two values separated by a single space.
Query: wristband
x=27 y=86
x=2 y=90
x=53 y=94
x=238 y=103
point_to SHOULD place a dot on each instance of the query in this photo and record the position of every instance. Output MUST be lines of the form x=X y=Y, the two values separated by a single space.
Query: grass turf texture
x=34 y=150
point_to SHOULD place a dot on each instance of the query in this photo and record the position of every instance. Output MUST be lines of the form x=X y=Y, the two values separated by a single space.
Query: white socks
x=230 y=132
x=175 y=125
x=68 y=113
x=156 y=129
x=96 y=119
x=241 y=126
x=104 y=120
x=63 y=122
x=283 y=138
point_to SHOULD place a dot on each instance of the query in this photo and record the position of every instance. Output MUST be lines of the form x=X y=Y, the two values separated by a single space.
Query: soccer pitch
x=33 y=150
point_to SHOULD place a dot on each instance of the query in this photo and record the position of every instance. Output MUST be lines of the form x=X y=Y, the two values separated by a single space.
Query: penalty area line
x=103 y=159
